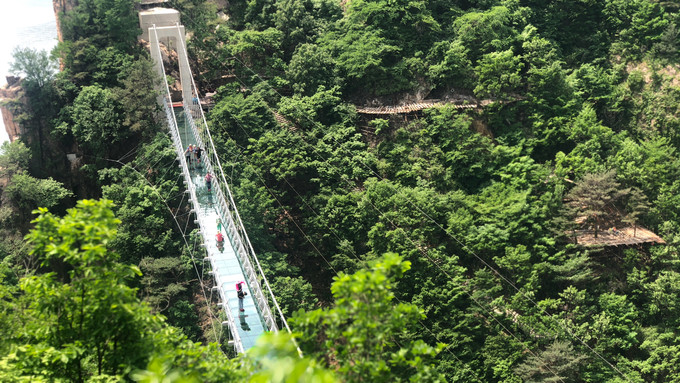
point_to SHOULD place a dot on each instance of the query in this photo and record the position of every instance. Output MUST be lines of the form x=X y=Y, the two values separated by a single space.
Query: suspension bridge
x=232 y=260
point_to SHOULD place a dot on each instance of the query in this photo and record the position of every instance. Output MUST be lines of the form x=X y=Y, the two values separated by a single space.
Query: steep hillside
x=579 y=142
x=520 y=157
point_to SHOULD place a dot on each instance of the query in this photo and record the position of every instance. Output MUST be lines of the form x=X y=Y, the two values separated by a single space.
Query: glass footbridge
x=233 y=260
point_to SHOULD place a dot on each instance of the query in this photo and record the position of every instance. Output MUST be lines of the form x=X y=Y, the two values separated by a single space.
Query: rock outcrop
x=8 y=93
x=59 y=7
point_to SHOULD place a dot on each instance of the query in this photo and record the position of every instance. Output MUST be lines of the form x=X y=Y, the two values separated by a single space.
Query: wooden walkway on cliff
x=623 y=237
x=417 y=106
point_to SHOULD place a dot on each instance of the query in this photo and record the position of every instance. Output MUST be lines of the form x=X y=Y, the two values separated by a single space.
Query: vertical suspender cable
x=231 y=198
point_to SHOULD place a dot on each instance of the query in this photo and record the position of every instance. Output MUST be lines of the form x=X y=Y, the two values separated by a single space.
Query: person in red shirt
x=208 y=181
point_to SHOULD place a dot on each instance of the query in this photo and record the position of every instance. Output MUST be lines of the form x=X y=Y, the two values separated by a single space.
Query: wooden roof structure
x=626 y=236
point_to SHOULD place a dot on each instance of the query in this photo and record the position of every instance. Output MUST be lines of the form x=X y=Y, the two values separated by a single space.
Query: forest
x=526 y=228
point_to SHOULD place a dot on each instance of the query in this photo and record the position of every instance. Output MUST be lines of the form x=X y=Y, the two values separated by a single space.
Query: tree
x=638 y=24
x=97 y=119
x=593 y=200
x=452 y=65
x=241 y=118
x=80 y=60
x=256 y=50
x=275 y=359
x=667 y=46
x=162 y=283
x=88 y=319
x=323 y=108
x=499 y=74
x=366 y=60
x=103 y=21
x=637 y=205
x=549 y=94
x=138 y=97
x=302 y=21
x=576 y=26
x=14 y=157
x=30 y=193
x=36 y=66
x=488 y=31
x=649 y=164
x=309 y=68
x=595 y=143
x=21 y=192
x=365 y=334
x=294 y=294
x=147 y=226
x=407 y=24
x=450 y=141
x=663 y=354
x=113 y=65
x=557 y=363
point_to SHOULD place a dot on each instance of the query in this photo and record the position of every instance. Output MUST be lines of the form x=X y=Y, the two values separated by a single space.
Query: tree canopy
x=547 y=120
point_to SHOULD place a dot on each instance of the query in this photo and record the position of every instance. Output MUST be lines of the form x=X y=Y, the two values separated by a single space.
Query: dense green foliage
x=100 y=110
x=579 y=131
x=81 y=321
x=366 y=331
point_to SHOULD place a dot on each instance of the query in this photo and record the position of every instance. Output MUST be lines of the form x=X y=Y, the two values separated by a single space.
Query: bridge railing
x=166 y=101
x=255 y=275
x=191 y=188
x=235 y=232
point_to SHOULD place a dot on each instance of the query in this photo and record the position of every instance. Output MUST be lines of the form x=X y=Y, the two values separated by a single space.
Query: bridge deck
x=225 y=263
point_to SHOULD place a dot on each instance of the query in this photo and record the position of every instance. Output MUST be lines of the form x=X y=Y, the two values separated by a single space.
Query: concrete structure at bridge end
x=163 y=25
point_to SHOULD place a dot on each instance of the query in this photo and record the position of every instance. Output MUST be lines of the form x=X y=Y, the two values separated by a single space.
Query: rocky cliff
x=8 y=93
x=11 y=91
x=62 y=6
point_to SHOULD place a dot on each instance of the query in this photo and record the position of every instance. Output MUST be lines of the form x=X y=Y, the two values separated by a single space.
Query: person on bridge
x=198 y=151
x=208 y=181
x=188 y=153
x=240 y=293
x=220 y=241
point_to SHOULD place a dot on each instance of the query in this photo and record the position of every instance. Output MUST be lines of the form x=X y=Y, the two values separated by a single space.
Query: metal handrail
x=226 y=207
x=237 y=242
x=250 y=251
x=177 y=141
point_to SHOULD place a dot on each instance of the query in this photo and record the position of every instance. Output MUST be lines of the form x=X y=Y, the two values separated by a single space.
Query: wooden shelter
x=616 y=237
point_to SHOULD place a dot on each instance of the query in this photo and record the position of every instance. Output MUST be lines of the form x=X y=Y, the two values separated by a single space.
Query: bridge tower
x=170 y=32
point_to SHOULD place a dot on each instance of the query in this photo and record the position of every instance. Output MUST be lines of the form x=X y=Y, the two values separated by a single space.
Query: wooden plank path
x=622 y=237
x=417 y=106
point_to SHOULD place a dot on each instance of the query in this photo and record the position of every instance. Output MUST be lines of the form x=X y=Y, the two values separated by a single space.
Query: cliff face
x=7 y=93
x=62 y=6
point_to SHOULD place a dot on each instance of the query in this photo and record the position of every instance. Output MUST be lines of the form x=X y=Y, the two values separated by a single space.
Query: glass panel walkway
x=235 y=261
x=226 y=268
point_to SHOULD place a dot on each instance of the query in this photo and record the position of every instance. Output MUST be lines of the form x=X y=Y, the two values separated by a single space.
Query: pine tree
x=557 y=363
x=637 y=205
x=593 y=200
